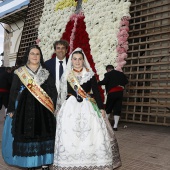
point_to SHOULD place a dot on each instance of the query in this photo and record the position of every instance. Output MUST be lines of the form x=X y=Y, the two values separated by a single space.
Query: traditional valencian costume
x=28 y=137
x=84 y=139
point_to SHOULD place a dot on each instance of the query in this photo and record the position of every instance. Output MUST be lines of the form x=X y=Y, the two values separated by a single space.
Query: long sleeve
x=96 y=92
x=13 y=93
x=51 y=66
x=104 y=81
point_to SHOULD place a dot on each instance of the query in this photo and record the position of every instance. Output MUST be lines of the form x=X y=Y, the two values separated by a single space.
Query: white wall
x=12 y=42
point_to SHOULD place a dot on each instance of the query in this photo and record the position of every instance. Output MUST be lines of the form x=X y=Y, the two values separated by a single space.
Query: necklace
x=78 y=71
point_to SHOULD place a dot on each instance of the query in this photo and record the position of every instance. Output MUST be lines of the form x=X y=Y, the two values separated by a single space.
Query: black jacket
x=5 y=79
x=112 y=79
x=51 y=66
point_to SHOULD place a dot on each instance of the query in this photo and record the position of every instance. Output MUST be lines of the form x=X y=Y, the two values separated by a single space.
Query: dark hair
x=109 y=67
x=25 y=58
x=78 y=52
x=61 y=42
x=19 y=61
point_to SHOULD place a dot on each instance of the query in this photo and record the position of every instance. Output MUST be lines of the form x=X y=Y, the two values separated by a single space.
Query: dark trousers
x=4 y=97
x=114 y=103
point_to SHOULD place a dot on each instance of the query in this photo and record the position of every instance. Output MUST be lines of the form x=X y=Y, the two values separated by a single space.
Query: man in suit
x=57 y=65
x=114 y=82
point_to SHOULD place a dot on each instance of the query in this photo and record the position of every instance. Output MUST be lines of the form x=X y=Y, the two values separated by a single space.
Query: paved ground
x=142 y=147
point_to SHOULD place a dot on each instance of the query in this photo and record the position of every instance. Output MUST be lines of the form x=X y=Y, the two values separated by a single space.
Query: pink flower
x=126 y=18
x=76 y=16
x=120 y=50
x=122 y=39
x=37 y=41
x=125 y=47
x=122 y=63
x=123 y=32
x=118 y=68
x=124 y=23
x=123 y=55
x=126 y=28
x=122 y=42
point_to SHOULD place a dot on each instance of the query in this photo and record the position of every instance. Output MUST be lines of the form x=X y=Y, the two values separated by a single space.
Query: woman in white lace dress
x=84 y=137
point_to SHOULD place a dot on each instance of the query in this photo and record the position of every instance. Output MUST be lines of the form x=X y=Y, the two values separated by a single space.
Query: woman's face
x=34 y=57
x=77 y=61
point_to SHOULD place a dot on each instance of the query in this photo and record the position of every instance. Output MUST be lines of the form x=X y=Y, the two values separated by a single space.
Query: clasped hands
x=103 y=113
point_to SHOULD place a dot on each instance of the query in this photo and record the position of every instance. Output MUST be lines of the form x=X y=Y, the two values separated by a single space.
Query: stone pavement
x=142 y=147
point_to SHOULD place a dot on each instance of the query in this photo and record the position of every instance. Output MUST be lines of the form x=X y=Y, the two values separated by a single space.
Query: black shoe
x=115 y=129
x=31 y=169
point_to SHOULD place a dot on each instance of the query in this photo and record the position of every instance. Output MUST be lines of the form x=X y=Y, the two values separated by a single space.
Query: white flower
x=102 y=18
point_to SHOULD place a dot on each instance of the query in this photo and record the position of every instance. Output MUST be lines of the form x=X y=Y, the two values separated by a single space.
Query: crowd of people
x=55 y=116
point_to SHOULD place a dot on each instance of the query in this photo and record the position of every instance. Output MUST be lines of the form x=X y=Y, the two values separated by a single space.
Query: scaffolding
x=147 y=97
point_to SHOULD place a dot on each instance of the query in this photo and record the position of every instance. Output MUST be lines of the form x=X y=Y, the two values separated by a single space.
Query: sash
x=80 y=91
x=115 y=89
x=34 y=88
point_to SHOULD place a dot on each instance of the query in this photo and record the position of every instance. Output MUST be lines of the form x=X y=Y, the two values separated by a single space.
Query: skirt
x=25 y=162
x=84 y=139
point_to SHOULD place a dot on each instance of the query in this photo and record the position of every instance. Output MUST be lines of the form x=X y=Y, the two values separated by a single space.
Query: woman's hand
x=55 y=113
x=11 y=115
x=103 y=113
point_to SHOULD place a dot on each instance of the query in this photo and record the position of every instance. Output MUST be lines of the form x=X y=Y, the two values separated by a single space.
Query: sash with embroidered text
x=34 y=88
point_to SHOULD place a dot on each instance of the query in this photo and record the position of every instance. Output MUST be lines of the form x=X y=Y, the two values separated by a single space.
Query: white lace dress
x=84 y=140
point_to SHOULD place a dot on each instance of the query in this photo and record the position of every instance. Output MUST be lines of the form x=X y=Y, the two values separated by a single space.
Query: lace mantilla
x=41 y=76
x=87 y=75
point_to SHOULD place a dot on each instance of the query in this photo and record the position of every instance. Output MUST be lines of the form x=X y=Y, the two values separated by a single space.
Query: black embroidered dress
x=33 y=125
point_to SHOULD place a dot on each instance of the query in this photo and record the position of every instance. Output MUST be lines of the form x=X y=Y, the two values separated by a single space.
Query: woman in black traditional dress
x=29 y=130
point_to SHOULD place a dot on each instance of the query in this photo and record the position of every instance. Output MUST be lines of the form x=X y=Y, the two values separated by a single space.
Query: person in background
x=5 y=84
x=57 y=65
x=114 y=82
x=29 y=129
x=84 y=137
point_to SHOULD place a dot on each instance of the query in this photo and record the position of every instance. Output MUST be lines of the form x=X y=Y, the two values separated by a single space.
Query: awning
x=13 y=10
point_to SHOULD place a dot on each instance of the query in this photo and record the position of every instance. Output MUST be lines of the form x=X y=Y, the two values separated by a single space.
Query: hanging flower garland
x=74 y=18
x=122 y=46
x=80 y=38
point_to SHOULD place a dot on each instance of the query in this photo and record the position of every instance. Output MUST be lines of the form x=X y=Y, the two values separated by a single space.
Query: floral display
x=100 y=29
x=104 y=31
x=52 y=25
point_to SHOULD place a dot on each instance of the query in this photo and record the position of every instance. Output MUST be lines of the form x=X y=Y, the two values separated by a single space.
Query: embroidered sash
x=80 y=91
x=34 y=88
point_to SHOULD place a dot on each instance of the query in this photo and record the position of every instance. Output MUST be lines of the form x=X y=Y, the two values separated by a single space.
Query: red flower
x=81 y=39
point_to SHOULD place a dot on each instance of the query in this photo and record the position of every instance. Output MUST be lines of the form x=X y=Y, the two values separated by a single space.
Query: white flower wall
x=52 y=26
x=102 y=18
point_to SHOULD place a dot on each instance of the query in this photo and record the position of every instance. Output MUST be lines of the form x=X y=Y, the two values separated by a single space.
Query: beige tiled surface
x=142 y=147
